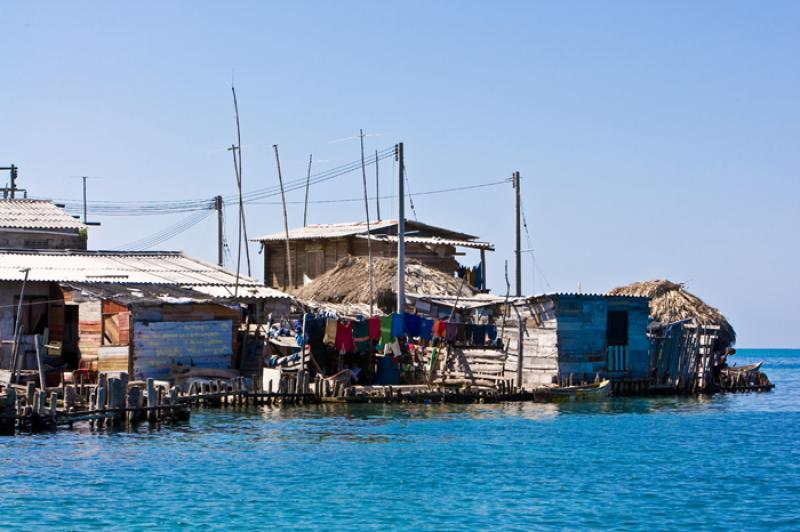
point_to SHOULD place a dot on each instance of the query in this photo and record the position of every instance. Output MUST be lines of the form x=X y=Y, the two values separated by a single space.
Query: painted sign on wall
x=157 y=346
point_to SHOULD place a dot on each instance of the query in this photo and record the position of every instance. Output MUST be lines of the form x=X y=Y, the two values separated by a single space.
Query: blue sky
x=655 y=139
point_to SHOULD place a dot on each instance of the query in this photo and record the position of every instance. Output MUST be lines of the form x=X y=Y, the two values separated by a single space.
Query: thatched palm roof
x=348 y=281
x=671 y=302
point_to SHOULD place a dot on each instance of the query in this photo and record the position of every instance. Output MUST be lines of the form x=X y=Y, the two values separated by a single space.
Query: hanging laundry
x=461 y=335
x=491 y=332
x=451 y=333
x=386 y=329
x=470 y=331
x=426 y=329
x=479 y=335
x=374 y=328
x=330 y=332
x=388 y=372
x=412 y=323
x=434 y=359
x=361 y=335
x=439 y=328
x=398 y=325
x=315 y=329
x=393 y=349
x=344 y=337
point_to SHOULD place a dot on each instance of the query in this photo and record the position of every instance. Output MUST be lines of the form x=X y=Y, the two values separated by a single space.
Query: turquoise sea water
x=729 y=461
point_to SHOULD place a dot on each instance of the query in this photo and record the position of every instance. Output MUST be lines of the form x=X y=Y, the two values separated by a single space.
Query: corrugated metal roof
x=555 y=295
x=244 y=292
x=35 y=214
x=326 y=231
x=317 y=231
x=434 y=240
x=122 y=267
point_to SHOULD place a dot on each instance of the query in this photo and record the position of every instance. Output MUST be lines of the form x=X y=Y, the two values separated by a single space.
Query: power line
x=163 y=235
x=392 y=196
x=144 y=208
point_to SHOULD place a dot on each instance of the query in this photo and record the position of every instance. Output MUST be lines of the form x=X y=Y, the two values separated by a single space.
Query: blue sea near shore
x=668 y=463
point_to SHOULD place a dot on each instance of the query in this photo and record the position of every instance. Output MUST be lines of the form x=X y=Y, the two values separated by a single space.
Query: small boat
x=587 y=392
x=745 y=369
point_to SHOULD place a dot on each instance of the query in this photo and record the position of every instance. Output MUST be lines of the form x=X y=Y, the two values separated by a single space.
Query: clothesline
x=349 y=336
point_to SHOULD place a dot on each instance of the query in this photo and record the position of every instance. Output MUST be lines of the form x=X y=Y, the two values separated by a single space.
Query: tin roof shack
x=76 y=330
x=39 y=224
x=147 y=331
x=316 y=249
x=575 y=337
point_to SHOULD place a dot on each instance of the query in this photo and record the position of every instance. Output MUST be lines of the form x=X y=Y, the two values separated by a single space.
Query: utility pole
x=518 y=258
x=377 y=187
x=12 y=189
x=233 y=150
x=401 y=231
x=369 y=231
x=308 y=183
x=218 y=207
x=518 y=235
x=13 y=170
x=18 y=328
x=84 y=178
x=285 y=218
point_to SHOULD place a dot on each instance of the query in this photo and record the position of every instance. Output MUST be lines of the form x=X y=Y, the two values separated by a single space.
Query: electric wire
x=167 y=233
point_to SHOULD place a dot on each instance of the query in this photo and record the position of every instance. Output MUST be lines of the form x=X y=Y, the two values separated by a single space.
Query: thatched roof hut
x=348 y=282
x=671 y=302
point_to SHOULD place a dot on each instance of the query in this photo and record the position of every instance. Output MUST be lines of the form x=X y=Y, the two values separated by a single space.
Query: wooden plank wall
x=582 y=330
x=638 y=342
x=305 y=259
x=90 y=325
x=310 y=258
x=540 y=346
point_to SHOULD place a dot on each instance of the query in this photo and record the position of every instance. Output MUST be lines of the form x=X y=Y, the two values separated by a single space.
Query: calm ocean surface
x=724 y=462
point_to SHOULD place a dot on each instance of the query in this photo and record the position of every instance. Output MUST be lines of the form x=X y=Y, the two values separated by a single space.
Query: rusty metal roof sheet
x=122 y=267
x=35 y=214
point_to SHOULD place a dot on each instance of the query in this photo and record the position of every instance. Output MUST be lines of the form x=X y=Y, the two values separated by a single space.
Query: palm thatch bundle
x=348 y=281
x=670 y=302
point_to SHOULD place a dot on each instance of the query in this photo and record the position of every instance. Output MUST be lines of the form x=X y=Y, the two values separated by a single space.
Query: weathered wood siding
x=582 y=323
x=311 y=258
x=9 y=292
x=540 y=346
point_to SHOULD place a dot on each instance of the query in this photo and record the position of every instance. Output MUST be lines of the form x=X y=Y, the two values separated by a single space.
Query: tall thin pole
x=233 y=150
x=401 y=231
x=518 y=258
x=518 y=235
x=369 y=231
x=84 y=198
x=285 y=218
x=308 y=183
x=239 y=179
x=218 y=207
x=377 y=187
x=18 y=327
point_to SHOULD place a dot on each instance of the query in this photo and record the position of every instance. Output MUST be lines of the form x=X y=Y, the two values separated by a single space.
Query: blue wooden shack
x=580 y=336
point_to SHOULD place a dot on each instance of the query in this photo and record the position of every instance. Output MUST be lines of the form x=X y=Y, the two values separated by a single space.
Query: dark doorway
x=70 y=352
x=617 y=331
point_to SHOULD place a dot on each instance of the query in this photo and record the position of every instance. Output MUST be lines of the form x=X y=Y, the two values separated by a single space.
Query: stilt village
x=370 y=311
